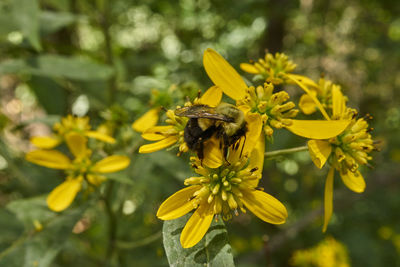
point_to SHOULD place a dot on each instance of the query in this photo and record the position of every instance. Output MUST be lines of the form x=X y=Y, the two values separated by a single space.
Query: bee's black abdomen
x=194 y=136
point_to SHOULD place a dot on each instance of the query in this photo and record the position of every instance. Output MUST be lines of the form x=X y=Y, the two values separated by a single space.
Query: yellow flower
x=344 y=152
x=225 y=77
x=79 y=171
x=328 y=253
x=69 y=124
x=147 y=120
x=223 y=191
x=173 y=134
x=273 y=68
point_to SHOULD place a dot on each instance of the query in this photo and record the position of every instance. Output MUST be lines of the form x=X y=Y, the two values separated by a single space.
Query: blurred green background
x=113 y=60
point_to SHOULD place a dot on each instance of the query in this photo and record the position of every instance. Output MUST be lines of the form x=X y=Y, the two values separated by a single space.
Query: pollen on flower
x=222 y=188
x=275 y=111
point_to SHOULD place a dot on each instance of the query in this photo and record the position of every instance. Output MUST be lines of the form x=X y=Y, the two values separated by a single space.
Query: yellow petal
x=224 y=75
x=353 y=181
x=147 y=120
x=169 y=141
x=318 y=129
x=196 y=227
x=265 y=206
x=328 y=198
x=257 y=158
x=213 y=155
x=157 y=133
x=62 y=196
x=95 y=179
x=178 y=204
x=45 y=142
x=319 y=151
x=100 y=136
x=212 y=97
x=77 y=144
x=307 y=105
x=338 y=102
x=254 y=128
x=249 y=68
x=303 y=86
x=305 y=80
x=112 y=163
x=49 y=158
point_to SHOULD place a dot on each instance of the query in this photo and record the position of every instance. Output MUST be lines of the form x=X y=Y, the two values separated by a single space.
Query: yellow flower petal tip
x=149 y=148
x=354 y=181
x=112 y=163
x=307 y=105
x=100 y=136
x=265 y=207
x=45 y=142
x=195 y=228
x=224 y=75
x=318 y=129
x=49 y=158
x=147 y=120
x=62 y=196
x=212 y=97
x=319 y=151
x=178 y=204
x=249 y=68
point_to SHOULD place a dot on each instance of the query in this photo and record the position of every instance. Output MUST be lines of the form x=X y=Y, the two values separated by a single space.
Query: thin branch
x=281 y=152
x=140 y=243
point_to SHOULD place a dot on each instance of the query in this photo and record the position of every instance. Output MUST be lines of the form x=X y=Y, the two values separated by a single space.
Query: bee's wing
x=202 y=111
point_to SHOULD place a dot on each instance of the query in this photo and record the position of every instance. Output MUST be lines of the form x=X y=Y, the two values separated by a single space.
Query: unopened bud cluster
x=72 y=124
x=274 y=68
x=178 y=124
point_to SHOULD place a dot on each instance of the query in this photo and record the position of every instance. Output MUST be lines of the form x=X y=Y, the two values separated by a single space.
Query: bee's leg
x=226 y=154
x=226 y=147
x=241 y=151
x=200 y=151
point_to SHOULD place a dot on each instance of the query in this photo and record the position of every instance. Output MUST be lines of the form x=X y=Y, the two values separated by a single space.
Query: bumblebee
x=225 y=121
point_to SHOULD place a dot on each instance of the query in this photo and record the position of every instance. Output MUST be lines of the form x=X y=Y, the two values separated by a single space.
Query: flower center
x=352 y=147
x=222 y=188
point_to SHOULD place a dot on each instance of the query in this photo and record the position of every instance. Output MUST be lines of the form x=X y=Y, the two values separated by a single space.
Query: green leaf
x=69 y=67
x=212 y=250
x=7 y=23
x=50 y=95
x=30 y=209
x=39 y=248
x=26 y=14
x=53 y=21
x=75 y=68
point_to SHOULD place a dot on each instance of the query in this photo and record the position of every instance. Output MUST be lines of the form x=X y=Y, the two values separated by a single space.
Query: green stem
x=112 y=220
x=105 y=26
x=281 y=152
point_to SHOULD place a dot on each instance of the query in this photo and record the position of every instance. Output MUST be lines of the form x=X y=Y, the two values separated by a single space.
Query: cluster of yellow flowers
x=228 y=181
x=81 y=172
x=229 y=159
